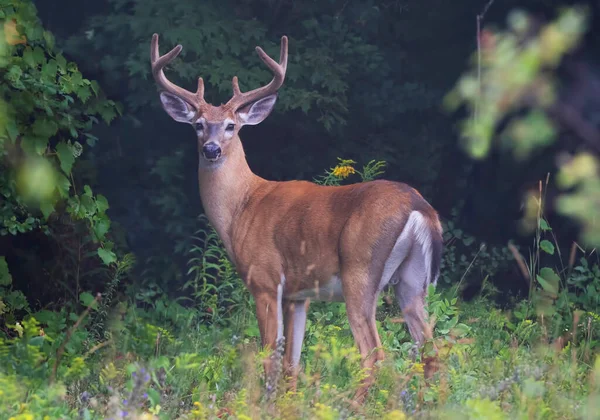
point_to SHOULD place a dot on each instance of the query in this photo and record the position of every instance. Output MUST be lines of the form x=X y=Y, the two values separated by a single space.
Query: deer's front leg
x=267 y=317
x=295 y=327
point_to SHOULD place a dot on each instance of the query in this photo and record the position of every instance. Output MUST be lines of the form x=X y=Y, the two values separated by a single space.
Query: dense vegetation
x=110 y=308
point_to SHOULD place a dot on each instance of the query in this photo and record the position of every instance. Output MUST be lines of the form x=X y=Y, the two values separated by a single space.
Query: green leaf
x=5 y=277
x=47 y=208
x=468 y=240
x=101 y=227
x=65 y=155
x=153 y=396
x=84 y=93
x=34 y=145
x=549 y=280
x=101 y=203
x=14 y=76
x=547 y=247
x=49 y=38
x=38 y=55
x=49 y=70
x=87 y=204
x=28 y=57
x=87 y=300
x=63 y=185
x=44 y=127
x=76 y=78
x=62 y=63
x=107 y=113
x=73 y=132
x=107 y=256
x=37 y=341
x=544 y=225
x=460 y=330
x=12 y=130
x=95 y=87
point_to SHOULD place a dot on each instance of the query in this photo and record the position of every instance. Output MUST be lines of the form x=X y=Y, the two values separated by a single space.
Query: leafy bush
x=49 y=109
x=47 y=112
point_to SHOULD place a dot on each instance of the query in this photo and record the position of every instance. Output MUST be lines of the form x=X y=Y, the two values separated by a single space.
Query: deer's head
x=217 y=126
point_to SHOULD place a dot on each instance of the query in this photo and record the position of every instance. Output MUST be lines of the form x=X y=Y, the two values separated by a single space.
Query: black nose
x=211 y=151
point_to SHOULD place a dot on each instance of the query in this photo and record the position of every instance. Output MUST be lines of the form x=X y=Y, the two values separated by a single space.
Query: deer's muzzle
x=211 y=151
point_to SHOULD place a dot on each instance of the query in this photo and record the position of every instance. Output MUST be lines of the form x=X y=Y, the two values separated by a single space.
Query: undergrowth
x=165 y=361
x=146 y=355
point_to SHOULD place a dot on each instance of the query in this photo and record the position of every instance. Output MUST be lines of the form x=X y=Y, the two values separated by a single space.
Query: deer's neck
x=225 y=190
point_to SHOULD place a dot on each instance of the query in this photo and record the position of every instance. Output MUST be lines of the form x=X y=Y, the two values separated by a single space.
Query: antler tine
x=158 y=62
x=242 y=98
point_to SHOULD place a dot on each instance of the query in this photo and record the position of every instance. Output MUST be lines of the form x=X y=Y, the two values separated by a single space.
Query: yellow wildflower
x=24 y=416
x=324 y=412
x=198 y=412
x=343 y=171
x=395 y=415
x=418 y=368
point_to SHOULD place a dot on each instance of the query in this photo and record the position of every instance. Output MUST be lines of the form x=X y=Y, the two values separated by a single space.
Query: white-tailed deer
x=333 y=243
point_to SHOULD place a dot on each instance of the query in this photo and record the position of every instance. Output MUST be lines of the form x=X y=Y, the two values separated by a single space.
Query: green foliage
x=445 y=314
x=48 y=112
x=218 y=45
x=566 y=294
x=512 y=68
x=516 y=69
x=11 y=301
x=580 y=176
x=163 y=363
x=465 y=257
x=216 y=289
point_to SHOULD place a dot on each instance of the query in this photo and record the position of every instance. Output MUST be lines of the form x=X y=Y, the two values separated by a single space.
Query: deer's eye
x=199 y=126
x=230 y=127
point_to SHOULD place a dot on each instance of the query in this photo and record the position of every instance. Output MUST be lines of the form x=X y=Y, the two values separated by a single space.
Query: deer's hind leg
x=361 y=293
x=411 y=290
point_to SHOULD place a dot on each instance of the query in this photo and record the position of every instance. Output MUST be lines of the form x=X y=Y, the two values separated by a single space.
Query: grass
x=161 y=361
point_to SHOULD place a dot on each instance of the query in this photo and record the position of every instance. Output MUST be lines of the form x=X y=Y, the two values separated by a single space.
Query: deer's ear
x=177 y=108
x=256 y=112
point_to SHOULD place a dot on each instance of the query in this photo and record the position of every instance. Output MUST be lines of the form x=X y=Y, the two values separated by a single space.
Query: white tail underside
x=415 y=232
